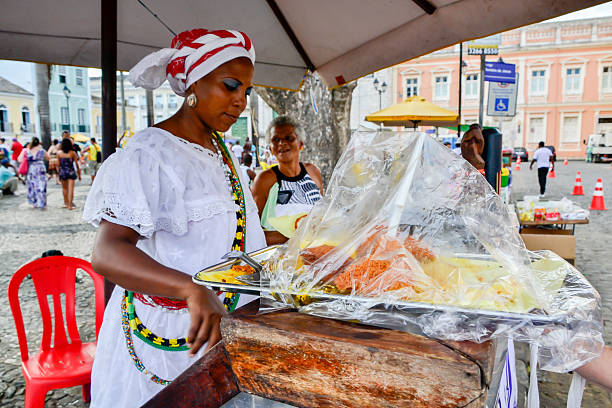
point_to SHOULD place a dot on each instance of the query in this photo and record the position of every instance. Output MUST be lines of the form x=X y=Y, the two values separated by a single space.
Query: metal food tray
x=396 y=308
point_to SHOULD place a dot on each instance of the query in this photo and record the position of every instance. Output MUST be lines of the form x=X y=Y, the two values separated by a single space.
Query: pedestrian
x=589 y=152
x=4 y=145
x=94 y=157
x=16 y=148
x=53 y=161
x=9 y=177
x=237 y=149
x=544 y=158
x=36 y=178
x=174 y=189
x=247 y=163
x=447 y=144
x=68 y=171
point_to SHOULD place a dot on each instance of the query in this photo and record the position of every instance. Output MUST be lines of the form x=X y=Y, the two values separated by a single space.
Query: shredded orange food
x=243 y=269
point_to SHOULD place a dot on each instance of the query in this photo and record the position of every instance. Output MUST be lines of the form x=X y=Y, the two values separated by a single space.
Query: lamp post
x=67 y=93
x=380 y=88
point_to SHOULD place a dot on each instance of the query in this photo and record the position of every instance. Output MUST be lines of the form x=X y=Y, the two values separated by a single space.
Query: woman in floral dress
x=36 y=179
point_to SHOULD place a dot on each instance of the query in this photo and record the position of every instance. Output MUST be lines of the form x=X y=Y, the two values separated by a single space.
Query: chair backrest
x=53 y=276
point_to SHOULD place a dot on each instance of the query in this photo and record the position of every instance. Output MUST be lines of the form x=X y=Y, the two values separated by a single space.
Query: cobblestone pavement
x=25 y=233
x=593 y=259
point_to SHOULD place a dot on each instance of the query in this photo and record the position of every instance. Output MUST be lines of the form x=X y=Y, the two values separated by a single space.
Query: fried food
x=242 y=269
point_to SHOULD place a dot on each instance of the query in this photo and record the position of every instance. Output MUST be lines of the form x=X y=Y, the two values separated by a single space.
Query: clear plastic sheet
x=410 y=236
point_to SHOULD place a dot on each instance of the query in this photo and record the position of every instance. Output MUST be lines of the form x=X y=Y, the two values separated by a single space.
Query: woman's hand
x=206 y=312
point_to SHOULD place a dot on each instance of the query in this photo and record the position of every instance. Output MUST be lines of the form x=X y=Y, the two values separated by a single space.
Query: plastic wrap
x=410 y=236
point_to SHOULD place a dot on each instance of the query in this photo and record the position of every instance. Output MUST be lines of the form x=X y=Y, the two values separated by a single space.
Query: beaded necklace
x=129 y=318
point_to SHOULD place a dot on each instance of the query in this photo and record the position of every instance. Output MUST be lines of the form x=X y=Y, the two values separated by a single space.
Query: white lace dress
x=175 y=195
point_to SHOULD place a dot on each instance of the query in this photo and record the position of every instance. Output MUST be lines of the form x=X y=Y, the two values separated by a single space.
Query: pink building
x=565 y=83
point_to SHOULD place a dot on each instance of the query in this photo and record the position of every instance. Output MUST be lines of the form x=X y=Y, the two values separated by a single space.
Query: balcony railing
x=27 y=128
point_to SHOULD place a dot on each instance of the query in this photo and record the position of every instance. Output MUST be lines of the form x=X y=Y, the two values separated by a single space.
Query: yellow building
x=96 y=116
x=16 y=112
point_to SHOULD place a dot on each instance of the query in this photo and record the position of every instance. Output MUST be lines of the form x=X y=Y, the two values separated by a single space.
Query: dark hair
x=66 y=145
x=55 y=141
x=247 y=160
x=93 y=140
x=541 y=144
x=34 y=142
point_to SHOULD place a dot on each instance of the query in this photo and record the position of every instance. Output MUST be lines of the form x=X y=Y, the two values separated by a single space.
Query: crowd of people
x=33 y=166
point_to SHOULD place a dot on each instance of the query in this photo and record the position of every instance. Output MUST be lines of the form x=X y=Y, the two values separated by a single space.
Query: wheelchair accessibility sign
x=501 y=99
x=501 y=104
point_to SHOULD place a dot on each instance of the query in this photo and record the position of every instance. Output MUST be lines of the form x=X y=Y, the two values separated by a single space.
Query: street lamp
x=380 y=88
x=67 y=93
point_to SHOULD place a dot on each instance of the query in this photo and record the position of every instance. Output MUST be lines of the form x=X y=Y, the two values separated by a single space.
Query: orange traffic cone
x=518 y=163
x=598 y=198
x=551 y=173
x=565 y=162
x=578 y=185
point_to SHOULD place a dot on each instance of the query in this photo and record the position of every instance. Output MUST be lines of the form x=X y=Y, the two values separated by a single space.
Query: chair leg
x=87 y=392
x=35 y=396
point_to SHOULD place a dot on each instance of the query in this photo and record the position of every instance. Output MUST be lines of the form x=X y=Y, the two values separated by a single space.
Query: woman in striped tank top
x=290 y=188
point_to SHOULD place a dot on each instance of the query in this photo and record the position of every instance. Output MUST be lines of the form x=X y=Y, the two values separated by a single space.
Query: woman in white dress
x=169 y=204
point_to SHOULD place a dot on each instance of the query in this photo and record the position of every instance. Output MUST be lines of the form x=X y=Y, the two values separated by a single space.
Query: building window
x=441 y=87
x=536 y=132
x=606 y=79
x=81 y=116
x=25 y=116
x=538 y=82
x=132 y=100
x=159 y=101
x=64 y=115
x=412 y=87
x=572 y=80
x=79 y=77
x=569 y=130
x=4 y=124
x=172 y=101
x=143 y=101
x=471 y=85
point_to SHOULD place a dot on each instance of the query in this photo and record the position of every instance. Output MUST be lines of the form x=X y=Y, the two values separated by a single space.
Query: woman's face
x=285 y=144
x=222 y=94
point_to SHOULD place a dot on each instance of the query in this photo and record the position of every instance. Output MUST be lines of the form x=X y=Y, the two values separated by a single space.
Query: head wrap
x=193 y=55
x=4 y=161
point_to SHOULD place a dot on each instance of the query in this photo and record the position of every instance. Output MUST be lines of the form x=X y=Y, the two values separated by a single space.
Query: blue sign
x=500 y=72
x=502 y=104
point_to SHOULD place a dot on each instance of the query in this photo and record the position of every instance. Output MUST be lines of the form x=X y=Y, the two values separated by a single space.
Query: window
x=471 y=85
x=79 y=77
x=159 y=101
x=572 y=80
x=172 y=103
x=412 y=87
x=538 y=82
x=4 y=125
x=441 y=87
x=606 y=79
x=536 y=130
x=143 y=101
x=81 y=116
x=25 y=116
x=64 y=115
x=132 y=100
x=569 y=130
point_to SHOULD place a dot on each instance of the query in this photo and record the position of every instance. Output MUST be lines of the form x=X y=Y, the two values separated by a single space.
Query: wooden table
x=309 y=361
x=558 y=222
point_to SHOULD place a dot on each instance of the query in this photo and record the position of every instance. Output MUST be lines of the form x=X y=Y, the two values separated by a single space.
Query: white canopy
x=342 y=39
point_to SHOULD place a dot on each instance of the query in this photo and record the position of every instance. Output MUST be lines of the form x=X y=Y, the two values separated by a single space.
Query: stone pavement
x=25 y=233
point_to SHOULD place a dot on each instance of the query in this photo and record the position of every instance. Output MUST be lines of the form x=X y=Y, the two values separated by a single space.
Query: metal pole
x=481 y=111
x=109 y=91
x=150 y=111
x=123 y=119
x=460 y=81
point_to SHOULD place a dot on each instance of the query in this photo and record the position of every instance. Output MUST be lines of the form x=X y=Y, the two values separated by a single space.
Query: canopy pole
x=460 y=81
x=109 y=91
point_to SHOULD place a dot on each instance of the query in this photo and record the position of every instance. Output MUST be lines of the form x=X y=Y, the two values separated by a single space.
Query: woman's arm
x=599 y=371
x=22 y=155
x=116 y=257
x=76 y=162
x=315 y=174
x=261 y=187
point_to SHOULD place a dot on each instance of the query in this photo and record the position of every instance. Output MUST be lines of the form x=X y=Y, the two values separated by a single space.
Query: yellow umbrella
x=79 y=137
x=414 y=111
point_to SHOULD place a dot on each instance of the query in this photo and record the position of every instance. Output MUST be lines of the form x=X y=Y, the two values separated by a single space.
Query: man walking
x=94 y=157
x=544 y=157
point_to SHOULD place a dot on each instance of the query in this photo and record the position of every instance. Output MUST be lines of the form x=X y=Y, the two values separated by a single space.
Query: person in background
x=246 y=149
x=76 y=147
x=68 y=170
x=599 y=371
x=447 y=144
x=589 y=153
x=17 y=149
x=9 y=177
x=543 y=157
x=36 y=179
x=246 y=166
x=94 y=157
x=290 y=188
x=4 y=144
x=237 y=149
x=53 y=161
x=4 y=152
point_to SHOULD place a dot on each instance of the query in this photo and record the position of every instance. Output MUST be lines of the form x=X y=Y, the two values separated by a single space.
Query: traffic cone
x=598 y=197
x=565 y=162
x=578 y=185
x=551 y=173
x=518 y=163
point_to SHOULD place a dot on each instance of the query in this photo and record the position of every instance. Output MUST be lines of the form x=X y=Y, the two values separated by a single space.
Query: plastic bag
x=410 y=236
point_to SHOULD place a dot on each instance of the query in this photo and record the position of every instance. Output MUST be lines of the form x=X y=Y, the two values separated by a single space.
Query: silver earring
x=192 y=100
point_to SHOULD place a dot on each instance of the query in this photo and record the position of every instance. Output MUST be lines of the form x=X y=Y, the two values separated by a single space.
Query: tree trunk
x=43 y=78
x=324 y=114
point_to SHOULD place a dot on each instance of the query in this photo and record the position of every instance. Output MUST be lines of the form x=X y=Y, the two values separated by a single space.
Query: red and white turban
x=193 y=55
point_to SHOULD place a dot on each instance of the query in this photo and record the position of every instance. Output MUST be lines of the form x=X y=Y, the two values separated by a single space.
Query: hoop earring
x=192 y=100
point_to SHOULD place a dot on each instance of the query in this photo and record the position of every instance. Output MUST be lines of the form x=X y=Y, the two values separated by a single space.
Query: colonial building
x=69 y=101
x=96 y=116
x=565 y=83
x=16 y=111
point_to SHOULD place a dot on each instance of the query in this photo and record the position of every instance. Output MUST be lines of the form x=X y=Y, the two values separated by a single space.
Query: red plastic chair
x=68 y=363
